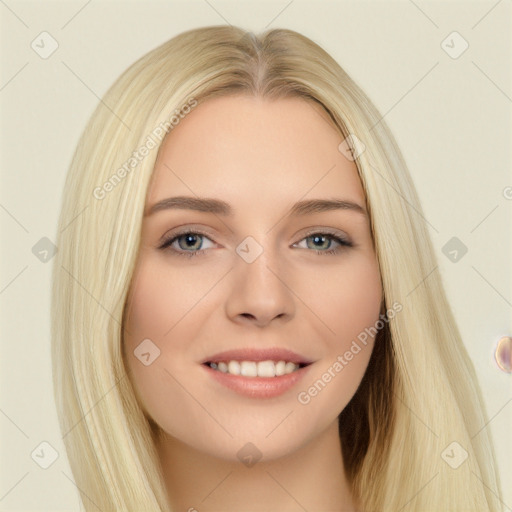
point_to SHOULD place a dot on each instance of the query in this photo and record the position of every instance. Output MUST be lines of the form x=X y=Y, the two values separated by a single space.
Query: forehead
x=243 y=149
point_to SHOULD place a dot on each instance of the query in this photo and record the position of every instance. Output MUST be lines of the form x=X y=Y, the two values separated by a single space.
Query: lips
x=258 y=354
x=257 y=387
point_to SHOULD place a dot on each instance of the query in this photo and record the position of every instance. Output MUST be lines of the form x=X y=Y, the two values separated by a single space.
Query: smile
x=256 y=384
x=256 y=368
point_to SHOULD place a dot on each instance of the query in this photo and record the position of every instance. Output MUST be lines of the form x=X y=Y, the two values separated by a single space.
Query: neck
x=312 y=478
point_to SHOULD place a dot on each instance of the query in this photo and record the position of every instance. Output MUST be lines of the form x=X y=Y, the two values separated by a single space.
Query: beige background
x=451 y=118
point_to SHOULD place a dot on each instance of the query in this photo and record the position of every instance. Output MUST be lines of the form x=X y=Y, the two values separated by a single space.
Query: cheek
x=161 y=298
x=166 y=307
x=353 y=306
x=151 y=307
x=153 y=313
x=348 y=299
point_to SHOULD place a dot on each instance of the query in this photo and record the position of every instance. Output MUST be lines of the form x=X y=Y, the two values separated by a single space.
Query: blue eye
x=320 y=238
x=189 y=243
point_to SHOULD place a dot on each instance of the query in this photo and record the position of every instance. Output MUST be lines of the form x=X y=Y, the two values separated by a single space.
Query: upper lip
x=258 y=354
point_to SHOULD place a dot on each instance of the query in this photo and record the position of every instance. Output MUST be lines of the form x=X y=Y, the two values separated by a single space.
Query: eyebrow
x=218 y=207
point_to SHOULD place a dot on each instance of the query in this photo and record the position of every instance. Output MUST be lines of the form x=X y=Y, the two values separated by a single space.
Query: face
x=251 y=273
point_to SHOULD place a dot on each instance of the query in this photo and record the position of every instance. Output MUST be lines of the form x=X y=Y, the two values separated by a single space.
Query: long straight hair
x=420 y=392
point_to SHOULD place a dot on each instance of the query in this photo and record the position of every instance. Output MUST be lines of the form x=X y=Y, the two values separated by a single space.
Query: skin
x=260 y=156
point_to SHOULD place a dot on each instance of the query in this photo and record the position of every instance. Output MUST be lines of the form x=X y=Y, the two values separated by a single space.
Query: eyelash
x=189 y=254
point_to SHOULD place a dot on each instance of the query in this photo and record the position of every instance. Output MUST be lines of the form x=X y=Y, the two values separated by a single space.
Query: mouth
x=251 y=369
x=257 y=373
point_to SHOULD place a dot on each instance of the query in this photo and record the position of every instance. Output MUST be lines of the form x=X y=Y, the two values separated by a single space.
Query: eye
x=187 y=243
x=323 y=241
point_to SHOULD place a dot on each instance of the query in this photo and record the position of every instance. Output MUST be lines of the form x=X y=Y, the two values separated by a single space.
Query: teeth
x=248 y=369
x=234 y=367
x=266 y=369
x=280 y=368
x=255 y=369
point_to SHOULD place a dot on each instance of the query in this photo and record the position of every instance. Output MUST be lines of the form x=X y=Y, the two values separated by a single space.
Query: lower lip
x=258 y=387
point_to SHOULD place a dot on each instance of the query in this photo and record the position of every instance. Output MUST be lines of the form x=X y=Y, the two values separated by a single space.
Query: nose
x=260 y=292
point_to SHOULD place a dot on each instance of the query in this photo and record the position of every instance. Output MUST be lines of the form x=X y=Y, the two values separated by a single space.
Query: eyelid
x=182 y=230
x=326 y=231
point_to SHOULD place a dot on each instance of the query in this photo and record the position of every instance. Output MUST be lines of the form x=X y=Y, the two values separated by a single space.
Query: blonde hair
x=420 y=392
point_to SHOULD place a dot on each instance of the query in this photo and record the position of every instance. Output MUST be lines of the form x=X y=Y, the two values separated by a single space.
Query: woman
x=254 y=373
